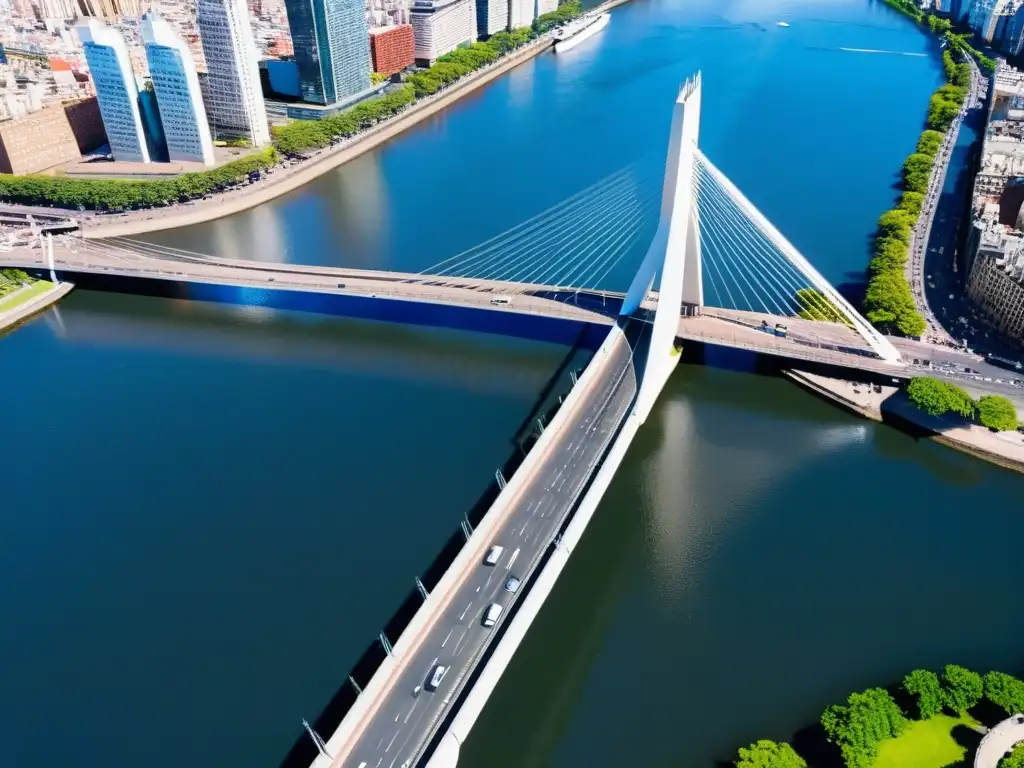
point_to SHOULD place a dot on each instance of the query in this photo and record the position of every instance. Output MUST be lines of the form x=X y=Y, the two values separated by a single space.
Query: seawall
x=891 y=407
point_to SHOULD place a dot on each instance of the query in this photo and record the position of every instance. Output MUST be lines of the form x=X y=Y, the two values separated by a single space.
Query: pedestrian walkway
x=998 y=741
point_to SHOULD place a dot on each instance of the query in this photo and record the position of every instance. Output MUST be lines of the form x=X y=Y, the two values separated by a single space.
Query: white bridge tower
x=674 y=251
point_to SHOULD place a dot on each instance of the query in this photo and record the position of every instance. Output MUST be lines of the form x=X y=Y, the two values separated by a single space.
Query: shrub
x=936 y=398
x=998 y=413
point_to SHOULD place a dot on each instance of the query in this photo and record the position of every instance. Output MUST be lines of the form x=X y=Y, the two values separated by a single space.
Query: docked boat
x=575 y=32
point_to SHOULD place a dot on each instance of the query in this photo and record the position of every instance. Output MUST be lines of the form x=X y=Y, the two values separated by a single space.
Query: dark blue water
x=210 y=510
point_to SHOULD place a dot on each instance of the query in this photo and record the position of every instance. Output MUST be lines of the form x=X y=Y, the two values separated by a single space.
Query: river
x=210 y=510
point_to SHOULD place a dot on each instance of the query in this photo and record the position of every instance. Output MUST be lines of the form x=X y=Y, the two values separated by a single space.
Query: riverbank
x=892 y=406
x=22 y=305
x=288 y=179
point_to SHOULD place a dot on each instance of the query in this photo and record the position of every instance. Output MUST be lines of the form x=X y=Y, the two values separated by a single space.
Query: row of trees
x=462 y=61
x=295 y=139
x=119 y=195
x=869 y=717
x=937 y=397
x=301 y=136
x=889 y=301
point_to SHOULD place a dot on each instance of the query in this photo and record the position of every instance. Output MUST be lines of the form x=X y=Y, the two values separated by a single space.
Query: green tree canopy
x=769 y=754
x=998 y=413
x=961 y=688
x=895 y=224
x=929 y=142
x=912 y=203
x=861 y=724
x=936 y=397
x=1005 y=691
x=814 y=305
x=1015 y=759
x=924 y=685
x=917 y=169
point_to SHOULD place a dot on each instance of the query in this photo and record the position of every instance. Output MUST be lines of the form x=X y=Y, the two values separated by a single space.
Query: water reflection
x=361 y=219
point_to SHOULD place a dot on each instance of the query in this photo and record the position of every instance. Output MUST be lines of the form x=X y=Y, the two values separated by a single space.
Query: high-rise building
x=987 y=18
x=491 y=17
x=440 y=26
x=332 y=48
x=392 y=49
x=234 y=99
x=58 y=9
x=176 y=83
x=110 y=65
x=962 y=10
x=520 y=13
x=1014 y=41
x=547 y=6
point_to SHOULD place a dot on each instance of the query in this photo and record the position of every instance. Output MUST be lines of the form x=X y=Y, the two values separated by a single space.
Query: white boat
x=575 y=32
x=782 y=23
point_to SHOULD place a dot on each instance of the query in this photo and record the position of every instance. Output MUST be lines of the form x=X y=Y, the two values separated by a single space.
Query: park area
x=926 y=744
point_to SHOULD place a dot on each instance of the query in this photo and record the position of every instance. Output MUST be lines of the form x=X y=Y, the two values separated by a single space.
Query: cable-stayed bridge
x=700 y=262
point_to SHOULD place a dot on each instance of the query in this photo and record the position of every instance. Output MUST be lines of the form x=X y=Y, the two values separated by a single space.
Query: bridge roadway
x=807 y=341
x=407 y=713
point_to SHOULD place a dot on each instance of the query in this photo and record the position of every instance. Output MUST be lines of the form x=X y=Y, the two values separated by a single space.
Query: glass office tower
x=332 y=48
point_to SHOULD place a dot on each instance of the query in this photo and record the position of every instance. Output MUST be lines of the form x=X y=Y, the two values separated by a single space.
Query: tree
x=917 y=169
x=769 y=754
x=936 y=398
x=1006 y=692
x=924 y=684
x=912 y=203
x=814 y=305
x=858 y=727
x=998 y=413
x=895 y=224
x=930 y=142
x=961 y=688
x=1015 y=759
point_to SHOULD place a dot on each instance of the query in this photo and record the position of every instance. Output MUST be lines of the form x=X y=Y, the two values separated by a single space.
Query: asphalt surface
x=410 y=712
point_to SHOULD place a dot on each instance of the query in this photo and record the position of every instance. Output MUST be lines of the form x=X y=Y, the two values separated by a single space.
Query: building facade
x=440 y=26
x=110 y=65
x=996 y=285
x=176 y=84
x=231 y=88
x=86 y=124
x=332 y=48
x=392 y=49
x=491 y=17
x=546 y=6
x=36 y=142
x=520 y=13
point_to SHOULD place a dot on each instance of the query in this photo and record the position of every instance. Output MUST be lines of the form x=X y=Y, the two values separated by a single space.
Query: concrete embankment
x=892 y=406
x=24 y=310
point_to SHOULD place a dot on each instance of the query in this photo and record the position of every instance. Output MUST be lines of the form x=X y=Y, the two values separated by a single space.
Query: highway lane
x=407 y=718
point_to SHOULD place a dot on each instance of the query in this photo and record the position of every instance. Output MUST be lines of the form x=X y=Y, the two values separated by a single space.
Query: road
x=943 y=242
x=406 y=718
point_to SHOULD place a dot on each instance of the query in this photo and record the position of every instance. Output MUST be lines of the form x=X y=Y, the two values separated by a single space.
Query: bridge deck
x=401 y=720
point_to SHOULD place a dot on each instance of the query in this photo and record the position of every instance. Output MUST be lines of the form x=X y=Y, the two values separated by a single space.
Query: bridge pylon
x=674 y=256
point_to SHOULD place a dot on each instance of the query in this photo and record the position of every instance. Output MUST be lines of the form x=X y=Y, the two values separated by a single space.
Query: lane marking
x=449 y=635
x=512 y=559
x=393 y=739
x=466 y=611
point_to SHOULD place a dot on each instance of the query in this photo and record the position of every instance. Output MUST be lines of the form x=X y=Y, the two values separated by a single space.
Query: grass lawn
x=12 y=300
x=925 y=744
